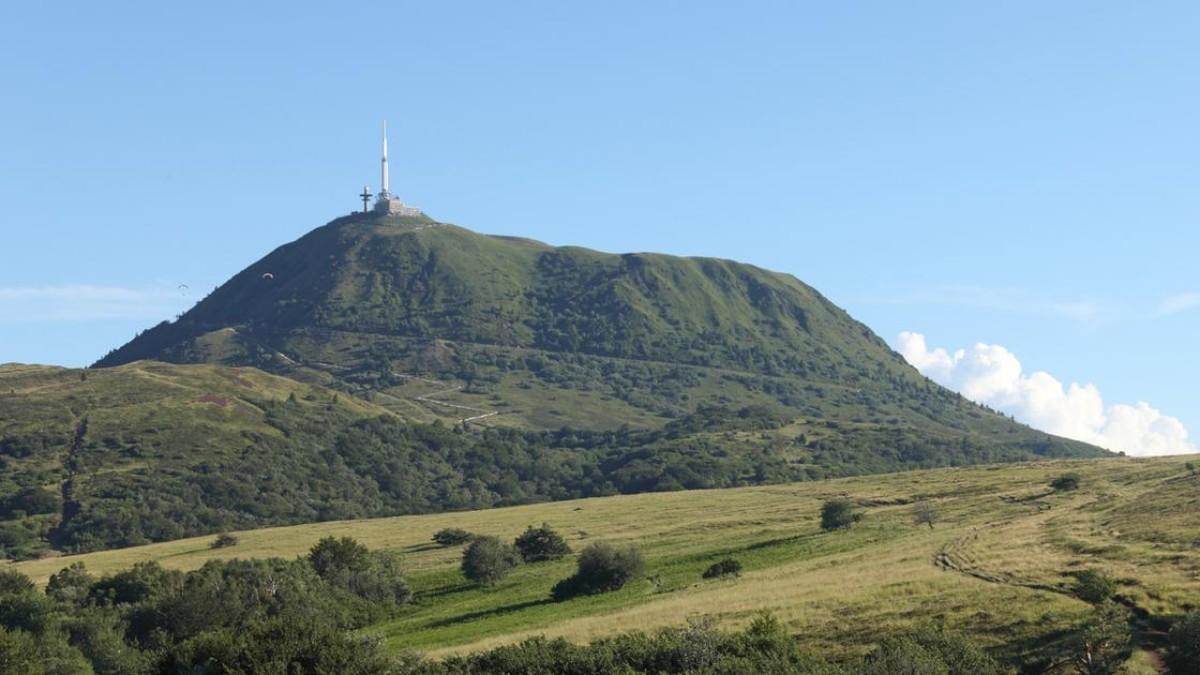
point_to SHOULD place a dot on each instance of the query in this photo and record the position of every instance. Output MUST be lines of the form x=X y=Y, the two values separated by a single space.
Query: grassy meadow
x=996 y=564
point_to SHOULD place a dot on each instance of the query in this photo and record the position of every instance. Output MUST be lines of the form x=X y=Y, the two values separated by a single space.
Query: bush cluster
x=839 y=514
x=452 y=536
x=723 y=568
x=601 y=567
x=537 y=544
x=240 y=616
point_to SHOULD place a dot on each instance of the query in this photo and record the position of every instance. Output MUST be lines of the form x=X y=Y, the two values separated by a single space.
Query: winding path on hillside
x=428 y=398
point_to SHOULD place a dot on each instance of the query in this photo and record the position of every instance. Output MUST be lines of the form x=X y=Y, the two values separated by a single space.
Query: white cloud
x=1178 y=303
x=992 y=375
x=84 y=302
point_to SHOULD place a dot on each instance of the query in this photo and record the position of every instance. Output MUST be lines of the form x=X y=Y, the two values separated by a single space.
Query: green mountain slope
x=422 y=317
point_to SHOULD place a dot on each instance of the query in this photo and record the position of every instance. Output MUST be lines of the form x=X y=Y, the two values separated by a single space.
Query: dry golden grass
x=995 y=565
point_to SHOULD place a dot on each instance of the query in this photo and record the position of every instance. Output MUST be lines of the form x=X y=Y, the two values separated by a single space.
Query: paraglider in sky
x=268 y=276
x=183 y=289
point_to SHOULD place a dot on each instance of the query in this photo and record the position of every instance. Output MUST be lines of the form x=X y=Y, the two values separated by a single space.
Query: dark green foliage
x=723 y=568
x=929 y=651
x=280 y=645
x=541 y=543
x=602 y=567
x=699 y=647
x=332 y=557
x=224 y=540
x=347 y=564
x=1066 y=482
x=30 y=501
x=452 y=536
x=1103 y=642
x=143 y=582
x=71 y=584
x=18 y=653
x=1094 y=586
x=237 y=616
x=1183 y=656
x=13 y=581
x=488 y=560
x=839 y=514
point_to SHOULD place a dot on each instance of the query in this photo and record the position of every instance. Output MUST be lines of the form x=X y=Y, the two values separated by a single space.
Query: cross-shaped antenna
x=366 y=197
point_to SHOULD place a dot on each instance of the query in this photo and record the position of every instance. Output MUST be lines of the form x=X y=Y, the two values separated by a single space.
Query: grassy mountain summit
x=434 y=321
x=546 y=337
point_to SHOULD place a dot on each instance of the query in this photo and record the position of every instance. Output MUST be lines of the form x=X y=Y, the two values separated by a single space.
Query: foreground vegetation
x=1017 y=567
x=93 y=459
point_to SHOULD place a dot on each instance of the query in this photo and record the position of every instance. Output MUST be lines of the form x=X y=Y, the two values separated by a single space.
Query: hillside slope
x=437 y=322
x=999 y=563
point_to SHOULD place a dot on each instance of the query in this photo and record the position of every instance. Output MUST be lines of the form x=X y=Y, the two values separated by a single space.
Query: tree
x=601 y=567
x=541 y=543
x=1066 y=482
x=488 y=560
x=12 y=581
x=1100 y=647
x=452 y=536
x=332 y=557
x=925 y=513
x=1094 y=586
x=838 y=514
x=1183 y=655
x=71 y=584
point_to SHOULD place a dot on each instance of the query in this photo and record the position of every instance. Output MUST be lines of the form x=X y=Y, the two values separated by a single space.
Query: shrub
x=838 y=514
x=929 y=650
x=1094 y=586
x=332 y=557
x=71 y=584
x=724 y=568
x=541 y=543
x=601 y=567
x=1066 y=482
x=1183 y=655
x=143 y=581
x=488 y=560
x=224 y=540
x=452 y=536
x=382 y=580
x=12 y=581
x=1101 y=646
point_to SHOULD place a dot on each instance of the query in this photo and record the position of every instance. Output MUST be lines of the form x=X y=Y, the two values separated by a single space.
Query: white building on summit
x=387 y=203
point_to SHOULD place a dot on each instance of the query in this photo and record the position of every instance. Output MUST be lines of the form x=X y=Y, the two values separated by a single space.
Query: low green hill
x=151 y=451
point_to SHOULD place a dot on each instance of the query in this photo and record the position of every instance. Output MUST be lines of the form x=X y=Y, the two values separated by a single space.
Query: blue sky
x=1018 y=174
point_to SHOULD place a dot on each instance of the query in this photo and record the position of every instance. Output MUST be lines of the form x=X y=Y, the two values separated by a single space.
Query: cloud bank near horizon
x=992 y=375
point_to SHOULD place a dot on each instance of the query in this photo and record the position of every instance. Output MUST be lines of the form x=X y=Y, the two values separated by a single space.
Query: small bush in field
x=725 y=568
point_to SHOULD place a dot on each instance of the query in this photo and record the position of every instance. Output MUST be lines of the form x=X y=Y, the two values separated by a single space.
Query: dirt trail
x=428 y=398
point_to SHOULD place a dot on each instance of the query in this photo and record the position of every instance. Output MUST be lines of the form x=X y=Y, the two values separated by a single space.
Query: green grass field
x=996 y=565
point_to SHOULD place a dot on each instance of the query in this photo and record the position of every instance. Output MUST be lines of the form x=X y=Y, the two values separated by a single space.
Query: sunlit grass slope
x=996 y=564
